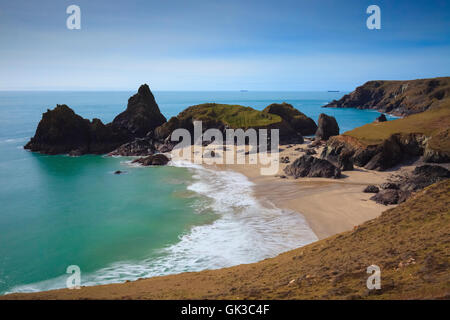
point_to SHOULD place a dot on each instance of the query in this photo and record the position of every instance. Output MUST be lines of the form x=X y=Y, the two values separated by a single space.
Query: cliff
x=382 y=145
x=397 y=97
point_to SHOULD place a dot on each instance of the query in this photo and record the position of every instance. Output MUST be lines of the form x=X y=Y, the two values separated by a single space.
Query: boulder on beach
x=371 y=189
x=309 y=166
x=390 y=196
x=421 y=177
x=327 y=127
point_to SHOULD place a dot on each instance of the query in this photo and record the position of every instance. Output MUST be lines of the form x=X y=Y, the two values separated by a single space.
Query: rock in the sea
x=371 y=189
x=61 y=130
x=142 y=114
x=153 y=160
x=381 y=118
x=327 y=127
x=309 y=166
x=118 y=172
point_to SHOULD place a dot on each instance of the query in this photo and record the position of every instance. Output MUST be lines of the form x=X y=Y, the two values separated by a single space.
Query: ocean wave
x=245 y=232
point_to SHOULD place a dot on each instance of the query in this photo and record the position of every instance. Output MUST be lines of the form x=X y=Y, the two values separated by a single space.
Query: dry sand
x=330 y=206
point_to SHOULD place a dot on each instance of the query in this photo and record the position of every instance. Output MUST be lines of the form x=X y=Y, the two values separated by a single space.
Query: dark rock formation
x=298 y=121
x=397 y=97
x=142 y=114
x=327 y=127
x=381 y=118
x=61 y=130
x=420 y=178
x=390 y=196
x=284 y=160
x=392 y=151
x=371 y=189
x=138 y=147
x=308 y=166
x=338 y=154
x=389 y=185
x=153 y=160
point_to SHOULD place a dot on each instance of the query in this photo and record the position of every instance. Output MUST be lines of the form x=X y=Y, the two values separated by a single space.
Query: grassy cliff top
x=410 y=244
x=432 y=123
x=235 y=116
x=401 y=97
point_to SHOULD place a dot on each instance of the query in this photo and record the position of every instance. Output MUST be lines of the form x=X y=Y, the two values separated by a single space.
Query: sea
x=60 y=211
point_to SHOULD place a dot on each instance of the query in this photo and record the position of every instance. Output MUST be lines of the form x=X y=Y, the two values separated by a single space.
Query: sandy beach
x=330 y=206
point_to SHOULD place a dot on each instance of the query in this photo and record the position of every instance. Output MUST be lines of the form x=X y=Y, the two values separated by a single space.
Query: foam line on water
x=245 y=232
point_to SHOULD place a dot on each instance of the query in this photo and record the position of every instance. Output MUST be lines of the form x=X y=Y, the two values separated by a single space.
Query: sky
x=299 y=45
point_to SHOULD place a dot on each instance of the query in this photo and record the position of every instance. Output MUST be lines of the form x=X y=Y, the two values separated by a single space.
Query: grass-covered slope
x=397 y=97
x=410 y=243
x=430 y=123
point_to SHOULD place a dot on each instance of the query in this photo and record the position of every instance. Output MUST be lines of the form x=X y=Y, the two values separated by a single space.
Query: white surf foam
x=245 y=232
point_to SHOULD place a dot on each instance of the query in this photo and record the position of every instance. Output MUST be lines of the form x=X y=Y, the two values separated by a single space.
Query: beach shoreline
x=330 y=206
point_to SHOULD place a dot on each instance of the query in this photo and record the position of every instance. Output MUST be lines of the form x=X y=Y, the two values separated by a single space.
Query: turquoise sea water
x=57 y=211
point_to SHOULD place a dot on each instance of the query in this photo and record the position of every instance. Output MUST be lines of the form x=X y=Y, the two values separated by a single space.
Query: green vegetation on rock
x=234 y=116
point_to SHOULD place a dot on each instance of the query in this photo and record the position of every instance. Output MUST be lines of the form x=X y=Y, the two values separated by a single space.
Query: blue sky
x=220 y=45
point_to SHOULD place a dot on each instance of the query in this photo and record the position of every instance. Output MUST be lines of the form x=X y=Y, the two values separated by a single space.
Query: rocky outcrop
x=309 y=166
x=62 y=131
x=422 y=177
x=297 y=120
x=138 y=147
x=390 y=196
x=153 y=160
x=381 y=118
x=222 y=117
x=327 y=127
x=371 y=189
x=142 y=114
x=397 y=148
x=397 y=97
x=405 y=186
